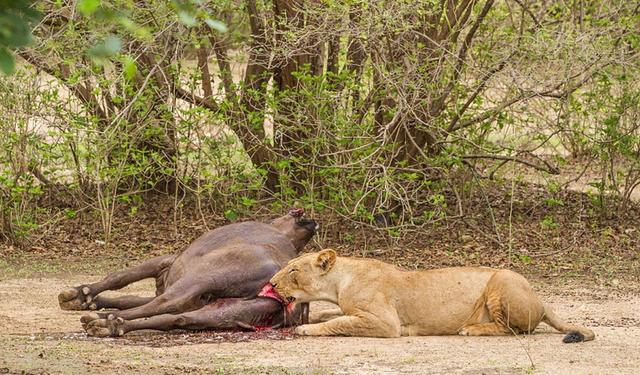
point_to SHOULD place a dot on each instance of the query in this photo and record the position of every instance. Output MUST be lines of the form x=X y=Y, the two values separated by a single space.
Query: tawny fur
x=381 y=300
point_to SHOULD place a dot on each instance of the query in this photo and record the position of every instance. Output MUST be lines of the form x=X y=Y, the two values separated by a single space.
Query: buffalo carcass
x=213 y=284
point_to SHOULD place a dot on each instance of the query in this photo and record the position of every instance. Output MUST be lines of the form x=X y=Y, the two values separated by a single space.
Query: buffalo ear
x=326 y=259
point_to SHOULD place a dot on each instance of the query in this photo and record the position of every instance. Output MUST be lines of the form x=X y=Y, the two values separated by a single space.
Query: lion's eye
x=292 y=270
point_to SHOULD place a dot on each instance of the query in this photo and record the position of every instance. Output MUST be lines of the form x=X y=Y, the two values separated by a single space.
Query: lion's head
x=307 y=278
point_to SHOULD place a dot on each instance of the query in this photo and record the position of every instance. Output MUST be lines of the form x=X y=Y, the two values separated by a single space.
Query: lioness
x=381 y=300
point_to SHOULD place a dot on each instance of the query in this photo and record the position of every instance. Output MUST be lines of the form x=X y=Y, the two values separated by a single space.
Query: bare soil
x=37 y=337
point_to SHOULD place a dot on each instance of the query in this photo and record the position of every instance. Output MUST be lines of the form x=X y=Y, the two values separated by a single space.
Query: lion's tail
x=575 y=333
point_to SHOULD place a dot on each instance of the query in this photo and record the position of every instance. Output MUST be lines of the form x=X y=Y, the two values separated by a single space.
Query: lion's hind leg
x=489 y=308
x=510 y=307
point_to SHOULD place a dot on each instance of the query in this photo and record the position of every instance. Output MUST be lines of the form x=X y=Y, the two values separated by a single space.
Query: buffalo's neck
x=299 y=244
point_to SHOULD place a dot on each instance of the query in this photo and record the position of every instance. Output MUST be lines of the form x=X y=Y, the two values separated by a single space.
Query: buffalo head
x=298 y=228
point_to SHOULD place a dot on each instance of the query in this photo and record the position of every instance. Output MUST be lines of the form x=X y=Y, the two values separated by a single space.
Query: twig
x=547 y=167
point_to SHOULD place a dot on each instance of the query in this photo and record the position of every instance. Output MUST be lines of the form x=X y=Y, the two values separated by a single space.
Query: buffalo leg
x=187 y=293
x=82 y=297
x=120 y=303
x=182 y=296
x=224 y=314
x=195 y=290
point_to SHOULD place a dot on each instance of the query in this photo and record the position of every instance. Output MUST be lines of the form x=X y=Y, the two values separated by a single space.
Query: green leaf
x=129 y=67
x=7 y=62
x=216 y=25
x=15 y=31
x=230 y=215
x=247 y=201
x=106 y=49
x=187 y=19
x=70 y=213
x=138 y=31
x=88 y=7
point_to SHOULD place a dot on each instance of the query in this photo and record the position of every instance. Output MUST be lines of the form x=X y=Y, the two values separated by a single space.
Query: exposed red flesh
x=262 y=328
x=269 y=291
x=296 y=212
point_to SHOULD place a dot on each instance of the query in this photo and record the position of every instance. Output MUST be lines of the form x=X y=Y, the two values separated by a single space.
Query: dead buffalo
x=214 y=284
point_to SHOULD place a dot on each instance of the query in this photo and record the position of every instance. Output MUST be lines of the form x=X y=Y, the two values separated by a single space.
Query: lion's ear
x=326 y=259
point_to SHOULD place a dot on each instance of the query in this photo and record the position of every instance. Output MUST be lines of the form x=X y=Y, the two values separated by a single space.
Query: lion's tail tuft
x=575 y=333
x=573 y=336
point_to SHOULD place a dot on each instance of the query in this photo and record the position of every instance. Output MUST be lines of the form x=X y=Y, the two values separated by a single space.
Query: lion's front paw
x=463 y=332
x=303 y=330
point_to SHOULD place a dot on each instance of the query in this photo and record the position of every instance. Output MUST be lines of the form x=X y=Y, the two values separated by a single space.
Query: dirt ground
x=37 y=337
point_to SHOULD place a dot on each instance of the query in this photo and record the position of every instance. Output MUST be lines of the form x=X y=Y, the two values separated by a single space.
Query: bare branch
x=203 y=65
x=546 y=167
x=84 y=93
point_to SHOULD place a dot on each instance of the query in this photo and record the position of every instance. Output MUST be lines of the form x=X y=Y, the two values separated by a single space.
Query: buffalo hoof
x=110 y=327
x=88 y=318
x=78 y=298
